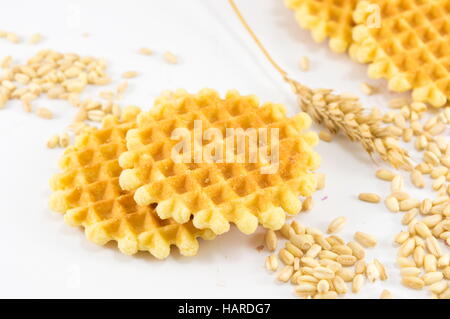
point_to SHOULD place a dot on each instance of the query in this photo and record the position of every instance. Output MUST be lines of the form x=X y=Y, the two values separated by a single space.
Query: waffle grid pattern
x=89 y=195
x=411 y=49
x=216 y=194
x=326 y=19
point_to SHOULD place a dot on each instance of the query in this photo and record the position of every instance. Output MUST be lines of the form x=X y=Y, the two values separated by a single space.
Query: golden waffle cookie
x=326 y=19
x=216 y=194
x=89 y=194
x=410 y=48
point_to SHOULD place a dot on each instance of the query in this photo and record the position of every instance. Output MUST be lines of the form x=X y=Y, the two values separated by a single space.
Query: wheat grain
x=320 y=181
x=285 y=274
x=341 y=249
x=413 y=282
x=443 y=261
x=346 y=260
x=307 y=204
x=409 y=216
x=271 y=263
x=372 y=273
x=398 y=103
x=433 y=246
x=53 y=141
x=419 y=256
x=367 y=88
x=385 y=174
x=64 y=140
x=130 y=74
x=401 y=237
x=438 y=287
x=13 y=38
x=35 y=38
x=325 y=136
x=287 y=231
x=432 y=277
x=271 y=240
x=313 y=251
x=381 y=269
x=386 y=294
x=404 y=262
x=298 y=228
x=358 y=282
x=430 y=263
x=170 y=58
x=44 y=113
x=286 y=257
x=407 y=247
x=294 y=250
x=145 y=51
x=365 y=239
x=369 y=197
x=336 y=225
x=304 y=63
x=397 y=184
x=392 y=204
x=417 y=179
x=409 y=204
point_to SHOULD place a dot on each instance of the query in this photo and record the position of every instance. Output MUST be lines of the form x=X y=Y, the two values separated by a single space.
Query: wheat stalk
x=341 y=112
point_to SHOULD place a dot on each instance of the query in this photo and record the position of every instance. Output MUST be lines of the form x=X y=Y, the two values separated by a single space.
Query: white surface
x=43 y=257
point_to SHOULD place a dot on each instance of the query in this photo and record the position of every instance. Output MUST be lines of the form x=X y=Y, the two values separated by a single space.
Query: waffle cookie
x=89 y=195
x=215 y=193
x=411 y=48
x=326 y=19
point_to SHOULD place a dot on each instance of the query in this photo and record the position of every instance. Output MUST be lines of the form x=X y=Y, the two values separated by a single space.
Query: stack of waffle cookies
x=404 y=41
x=122 y=182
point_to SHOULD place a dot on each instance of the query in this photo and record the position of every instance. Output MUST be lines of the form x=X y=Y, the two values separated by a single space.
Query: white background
x=42 y=257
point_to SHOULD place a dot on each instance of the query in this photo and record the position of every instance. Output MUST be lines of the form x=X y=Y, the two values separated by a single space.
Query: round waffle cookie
x=89 y=195
x=410 y=47
x=215 y=193
x=326 y=19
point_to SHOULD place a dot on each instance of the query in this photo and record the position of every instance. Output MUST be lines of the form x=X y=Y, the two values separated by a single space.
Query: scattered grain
x=121 y=88
x=171 y=58
x=386 y=294
x=307 y=204
x=35 y=38
x=304 y=63
x=367 y=88
x=271 y=240
x=397 y=184
x=346 y=260
x=145 y=51
x=381 y=269
x=44 y=113
x=385 y=175
x=392 y=204
x=372 y=272
x=417 y=179
x=336 y=225
x=285 y=274
x=409 y=204
x=130 y=74
x=358 y=282
x=369 y=197
x=365 y=239
x=13 y=38
x=271 y=263
x=53 y=141
x=325 y=136
x=64 y=140
x=286 y=257
x=413 y=282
